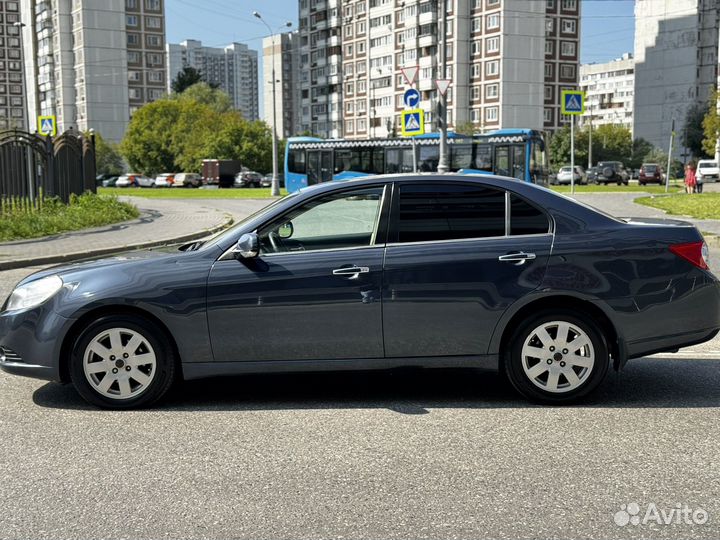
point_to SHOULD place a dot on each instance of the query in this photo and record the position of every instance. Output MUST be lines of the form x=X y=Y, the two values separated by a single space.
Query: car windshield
x=708 y=165
x=650 y=168
x=565 y=169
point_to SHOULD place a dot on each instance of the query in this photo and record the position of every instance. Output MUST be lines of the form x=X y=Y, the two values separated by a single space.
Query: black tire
x=165 y=362
x=513 y=361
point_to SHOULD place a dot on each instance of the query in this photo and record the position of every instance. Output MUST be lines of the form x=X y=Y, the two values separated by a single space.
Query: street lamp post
x=275 y=189
x=20 y=26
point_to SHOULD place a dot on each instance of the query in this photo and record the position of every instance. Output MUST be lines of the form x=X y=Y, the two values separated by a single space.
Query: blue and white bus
x=518 y=153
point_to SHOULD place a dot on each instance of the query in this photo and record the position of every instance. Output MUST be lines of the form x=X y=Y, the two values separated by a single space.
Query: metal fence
x=33 y=167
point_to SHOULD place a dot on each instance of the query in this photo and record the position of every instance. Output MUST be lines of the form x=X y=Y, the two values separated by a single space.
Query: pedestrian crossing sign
x=572 y=102
x=47 y=125
x=413 y=122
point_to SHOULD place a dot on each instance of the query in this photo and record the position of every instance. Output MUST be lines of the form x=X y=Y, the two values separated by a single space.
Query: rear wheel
x=122 y=362
x=556 y=356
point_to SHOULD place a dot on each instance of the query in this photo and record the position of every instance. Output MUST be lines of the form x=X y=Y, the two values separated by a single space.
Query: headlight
x=34 y=293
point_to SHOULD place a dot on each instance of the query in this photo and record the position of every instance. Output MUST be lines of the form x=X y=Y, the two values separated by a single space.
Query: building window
x=152 y=5
x=549 y=47
x=569 y=5
x=491 y=91
x=349 y=107
x=349 y=89
x=547 y=115
x=133 y=39
x=154 y=59
x=548 y=93
x=492 y=68
x=133 y=75
x=476 y=92
x=361 y=124
x=550 y=4
x=131 y=20
x=155 y=76
x=567 y=71
x=568 y=26
x=475 y=116
x=477 y=24
x=548 y=70
x=153 y=22
x=135 y=93
x=476 y=47
x=492 y=45
x=476 y=71
x=567 y=48
x=491 y=114
x=493 y=21
x=349 y=126
x=131 y=4
x=152 y=40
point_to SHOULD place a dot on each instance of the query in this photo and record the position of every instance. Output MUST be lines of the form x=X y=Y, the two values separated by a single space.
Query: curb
x=78 y=255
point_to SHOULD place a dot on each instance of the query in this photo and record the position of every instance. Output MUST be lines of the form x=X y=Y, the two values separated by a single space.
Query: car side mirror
x=286 y=230
x=248 y=246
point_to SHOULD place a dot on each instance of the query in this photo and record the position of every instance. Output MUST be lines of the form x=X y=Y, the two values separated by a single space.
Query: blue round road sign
x=411 y=98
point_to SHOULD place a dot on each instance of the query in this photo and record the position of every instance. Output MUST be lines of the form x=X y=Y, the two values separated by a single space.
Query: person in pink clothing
x=690 y=180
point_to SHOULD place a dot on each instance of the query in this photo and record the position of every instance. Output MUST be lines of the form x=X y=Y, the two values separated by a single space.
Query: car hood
x=74 y=270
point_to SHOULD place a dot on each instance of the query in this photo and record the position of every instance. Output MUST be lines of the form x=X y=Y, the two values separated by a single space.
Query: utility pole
x=443 y=165
x=667 y=171
x=590 y=142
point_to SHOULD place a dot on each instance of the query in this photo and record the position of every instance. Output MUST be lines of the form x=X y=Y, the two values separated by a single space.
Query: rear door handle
x=517 y=258
x=351 y=272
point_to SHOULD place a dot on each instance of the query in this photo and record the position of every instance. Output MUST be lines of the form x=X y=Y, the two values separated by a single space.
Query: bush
x=19 y=220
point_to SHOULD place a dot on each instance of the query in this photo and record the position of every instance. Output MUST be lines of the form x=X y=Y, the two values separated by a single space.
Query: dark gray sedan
x=432 y=271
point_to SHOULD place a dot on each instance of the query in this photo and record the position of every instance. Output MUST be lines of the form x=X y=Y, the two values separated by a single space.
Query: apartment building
x=609 y=92
x=12 y=90
x=234 y=69
x=282 y=54
x=676 y=61
x=92 y=63
x=507 y=62
x=145 y=29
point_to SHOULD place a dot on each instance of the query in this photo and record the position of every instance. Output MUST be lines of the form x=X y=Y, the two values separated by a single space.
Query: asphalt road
x=402 y=454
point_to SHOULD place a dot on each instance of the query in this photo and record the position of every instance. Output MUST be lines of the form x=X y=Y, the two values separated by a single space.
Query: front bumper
x=30 y=342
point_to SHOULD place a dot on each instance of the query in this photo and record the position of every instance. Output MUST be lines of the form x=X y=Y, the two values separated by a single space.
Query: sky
x=607 y=27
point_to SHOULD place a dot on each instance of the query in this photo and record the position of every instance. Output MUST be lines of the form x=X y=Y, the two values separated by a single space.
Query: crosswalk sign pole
x=572 y=154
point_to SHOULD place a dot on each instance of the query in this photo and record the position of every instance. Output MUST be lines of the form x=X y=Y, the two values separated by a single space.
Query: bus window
x=502 y=160
x=343 y=161
x=296 y=161
x=461 y=157
x=378 y=161
x=313 y=168
x=518 y=161
x=483 y=157
x=399 y=160
x=429 y=157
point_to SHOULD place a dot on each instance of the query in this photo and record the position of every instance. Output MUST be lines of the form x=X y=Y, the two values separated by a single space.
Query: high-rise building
x=676 y=61
x=507 y=62
x=282 y=53
x=93 y=63
x=234 y=69
x=12 y=83
x=609 y=92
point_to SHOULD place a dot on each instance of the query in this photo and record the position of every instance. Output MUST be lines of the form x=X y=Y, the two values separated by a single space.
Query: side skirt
x=199 y=370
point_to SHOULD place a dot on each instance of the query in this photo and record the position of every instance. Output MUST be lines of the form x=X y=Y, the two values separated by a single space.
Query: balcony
x=427 y=41
x=428 y=17
x=425 y=84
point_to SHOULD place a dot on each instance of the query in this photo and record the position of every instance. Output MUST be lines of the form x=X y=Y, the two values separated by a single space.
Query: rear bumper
x=671 y=343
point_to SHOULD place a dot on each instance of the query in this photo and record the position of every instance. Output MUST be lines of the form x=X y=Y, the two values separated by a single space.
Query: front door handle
x=517 y=258
x=351 y=272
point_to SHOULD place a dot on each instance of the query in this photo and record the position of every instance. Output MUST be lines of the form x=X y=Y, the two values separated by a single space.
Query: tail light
x=695 y=252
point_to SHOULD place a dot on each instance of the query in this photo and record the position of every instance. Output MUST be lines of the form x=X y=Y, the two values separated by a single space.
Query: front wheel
x=122 y=362
x=556 y=357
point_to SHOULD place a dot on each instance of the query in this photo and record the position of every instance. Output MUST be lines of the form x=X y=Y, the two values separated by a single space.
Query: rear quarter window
x=526 y=218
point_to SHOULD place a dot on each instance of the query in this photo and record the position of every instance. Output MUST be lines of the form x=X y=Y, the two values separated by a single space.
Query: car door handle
x=517 y=258
x=351 y=271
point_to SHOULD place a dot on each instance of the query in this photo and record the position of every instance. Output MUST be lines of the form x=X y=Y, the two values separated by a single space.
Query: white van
x=707 y=171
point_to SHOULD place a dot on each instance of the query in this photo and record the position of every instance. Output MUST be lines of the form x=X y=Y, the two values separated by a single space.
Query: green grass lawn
x=54 y=217
x=183 y=193
x=613 y=188
x=700 y=206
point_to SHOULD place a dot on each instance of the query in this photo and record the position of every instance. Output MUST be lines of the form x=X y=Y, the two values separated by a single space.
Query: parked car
x=708 y=170
x=266 y=181
x=101 y=178
x=110 y=182
x=650 y=173
x=612 y=171
x=592 y=175
x=189 y=180
x=532 y=283
x=165 y=180
x=564 y=176
x=248 y=179
x=135 y=180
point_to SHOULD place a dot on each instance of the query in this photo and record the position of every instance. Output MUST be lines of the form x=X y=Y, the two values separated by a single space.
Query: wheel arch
x=102 y=311
x=503 y=332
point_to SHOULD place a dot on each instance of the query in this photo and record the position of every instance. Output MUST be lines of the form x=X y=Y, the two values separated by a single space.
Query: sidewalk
x=161 y=221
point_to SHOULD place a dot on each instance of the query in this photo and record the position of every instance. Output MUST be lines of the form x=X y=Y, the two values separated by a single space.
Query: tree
x=692 y=135
x=466 y=128
x=186 y=78
x=656 y=155
x=640 y=149
x=107 y=157
x=148 y=144
x=711 y=126
x=236 y=138
x=205 y=94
